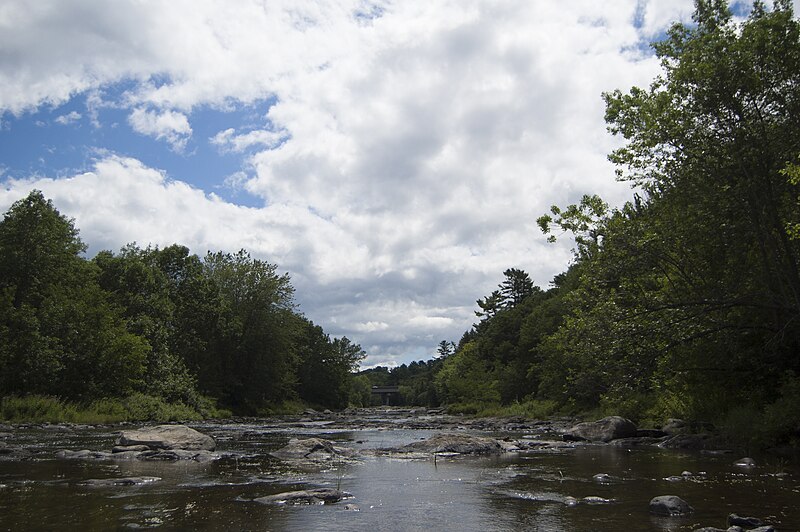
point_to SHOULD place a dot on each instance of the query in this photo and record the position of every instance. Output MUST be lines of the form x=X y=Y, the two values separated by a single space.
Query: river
x=543 y=489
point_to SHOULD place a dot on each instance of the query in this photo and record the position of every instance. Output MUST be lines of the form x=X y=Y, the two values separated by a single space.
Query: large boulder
x=669 y=505
x=312 y=450
x=454 y=443
x=313 y=496
x=605 y=430
x=169 y=437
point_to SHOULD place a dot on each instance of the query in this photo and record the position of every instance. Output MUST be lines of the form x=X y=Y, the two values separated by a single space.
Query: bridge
x=389 y=394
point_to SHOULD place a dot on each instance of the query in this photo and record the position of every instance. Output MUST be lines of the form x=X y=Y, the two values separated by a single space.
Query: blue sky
x=392 y=157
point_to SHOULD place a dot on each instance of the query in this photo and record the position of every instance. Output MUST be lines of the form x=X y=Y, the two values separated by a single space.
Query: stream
x=547 y=488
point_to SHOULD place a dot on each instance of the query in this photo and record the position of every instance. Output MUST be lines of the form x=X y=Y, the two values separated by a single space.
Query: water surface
x=538 y=490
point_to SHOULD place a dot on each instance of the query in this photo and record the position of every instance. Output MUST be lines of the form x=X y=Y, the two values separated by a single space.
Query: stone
x=352 y=507
x=745 y=462
x=685 y=441
x=312 y=496
x=310 y=449
x=173 y=455
x=168 y=437
x=676 y=426
x=83 y=454
x=455 y=443
x=129 y=448
x=749 y=522
x=605 y=430
x=602 y=477
x=669 y=505
x=126 y=481
x=709 y=529
x=766 y=528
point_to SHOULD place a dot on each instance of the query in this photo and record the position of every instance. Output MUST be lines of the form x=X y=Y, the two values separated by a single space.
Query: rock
x=602 y=477
x=749 y=522
x=605 y=430
x=129 y=448
x=650 y=433
x=591 y=499
x=745 y=462
x=669 y=505
x=167 y=437
x=767 y=528
x=172 y=455
x=83 y=454
x=311 y=449
x=454 y=443
x=126 y=481
x=313 y=496
x=709 y=529
x=685 y=441
x=638 y=441
x=674 y=478
x=352 y=507
x=676 y=426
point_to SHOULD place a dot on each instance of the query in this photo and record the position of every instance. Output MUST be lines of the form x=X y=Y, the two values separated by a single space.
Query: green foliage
x=151 y=334
x=141 y=407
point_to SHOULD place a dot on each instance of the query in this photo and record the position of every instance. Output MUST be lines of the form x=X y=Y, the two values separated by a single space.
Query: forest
x=683 y=302
x=164 y=332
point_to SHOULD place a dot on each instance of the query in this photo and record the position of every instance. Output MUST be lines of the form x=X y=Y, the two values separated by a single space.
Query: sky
x=391 y=156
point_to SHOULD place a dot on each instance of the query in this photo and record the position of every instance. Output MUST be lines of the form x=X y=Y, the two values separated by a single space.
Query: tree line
x=684 y=302
x=160 y=322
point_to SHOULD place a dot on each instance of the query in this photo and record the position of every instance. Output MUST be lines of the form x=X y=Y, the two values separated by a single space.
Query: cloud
x=228 y=140
x=169 y=125
x=68 y=118
x=407 y=149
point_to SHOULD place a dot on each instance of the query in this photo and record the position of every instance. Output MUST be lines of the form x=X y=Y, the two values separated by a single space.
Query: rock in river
x=312 y=450
x=125 y=481
x=605 y=430
x=454 y=443
x=669 y=505
x=167 y=437
x=313 y=496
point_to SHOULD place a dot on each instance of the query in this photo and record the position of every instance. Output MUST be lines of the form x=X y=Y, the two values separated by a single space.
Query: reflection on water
x=545 y=490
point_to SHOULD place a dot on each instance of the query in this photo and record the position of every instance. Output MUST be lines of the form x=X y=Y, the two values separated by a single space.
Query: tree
x=445 y=349
x=516 y=287
x=59 y=333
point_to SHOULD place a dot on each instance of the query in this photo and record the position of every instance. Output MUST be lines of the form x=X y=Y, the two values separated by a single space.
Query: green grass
x=532 y=409
x=137 y=407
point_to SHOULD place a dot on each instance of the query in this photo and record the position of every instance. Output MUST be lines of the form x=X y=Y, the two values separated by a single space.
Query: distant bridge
x=389 y=394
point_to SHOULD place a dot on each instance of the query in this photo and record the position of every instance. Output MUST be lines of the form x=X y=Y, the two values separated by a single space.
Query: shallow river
x=533 y=490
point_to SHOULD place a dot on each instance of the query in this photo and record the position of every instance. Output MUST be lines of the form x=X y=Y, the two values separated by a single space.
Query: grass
x=137 y=407
x=532 y=409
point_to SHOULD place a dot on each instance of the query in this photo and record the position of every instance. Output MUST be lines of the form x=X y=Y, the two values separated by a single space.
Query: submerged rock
x=172 y=455
x=745 y=462
x=167 y=437
x=125 y=481
x=605 y=430
x=669 y=505
x=313 y=496
x=749 y=522
x=454 y=443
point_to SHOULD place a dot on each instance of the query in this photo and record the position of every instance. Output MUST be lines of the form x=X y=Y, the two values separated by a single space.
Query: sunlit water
x=539 y=490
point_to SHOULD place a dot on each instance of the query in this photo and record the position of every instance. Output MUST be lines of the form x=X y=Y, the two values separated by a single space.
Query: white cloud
x=403 y=160
x=68 y=118
x=168 y=125
x=228 y=140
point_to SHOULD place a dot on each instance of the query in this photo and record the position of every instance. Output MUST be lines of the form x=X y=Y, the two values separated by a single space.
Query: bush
x=143 y=407
x=36 y=408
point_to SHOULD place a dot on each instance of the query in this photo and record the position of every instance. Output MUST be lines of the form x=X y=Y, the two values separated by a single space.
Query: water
x=538 y=490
